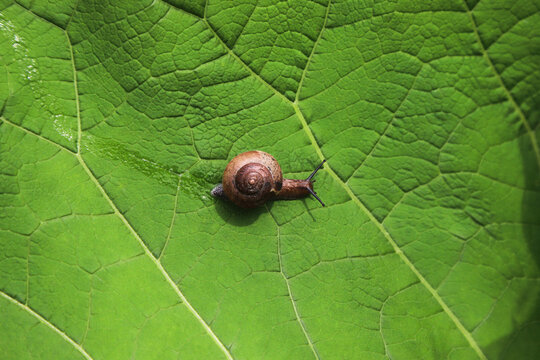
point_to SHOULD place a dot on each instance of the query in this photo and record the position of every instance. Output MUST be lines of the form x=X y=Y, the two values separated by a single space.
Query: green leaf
x=118 y=117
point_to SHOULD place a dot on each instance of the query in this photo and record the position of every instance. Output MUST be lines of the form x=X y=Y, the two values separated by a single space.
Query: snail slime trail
x=255 y=177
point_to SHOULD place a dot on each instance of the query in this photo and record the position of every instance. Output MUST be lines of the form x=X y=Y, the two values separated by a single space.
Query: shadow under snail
x=254 y=177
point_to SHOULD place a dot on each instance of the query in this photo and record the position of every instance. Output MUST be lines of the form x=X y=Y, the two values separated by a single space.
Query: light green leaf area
x=118 y=117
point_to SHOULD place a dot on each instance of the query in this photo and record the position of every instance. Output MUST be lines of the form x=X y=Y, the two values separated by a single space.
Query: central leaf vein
x=472 y=342
x=47 y=323
x=155 y=260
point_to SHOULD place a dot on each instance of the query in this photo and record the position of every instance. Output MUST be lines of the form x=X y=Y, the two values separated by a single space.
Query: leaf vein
x=172 y=219
x=290 y=295
x=380 y=226
x=312 y=51
x=128 y=225
x=27 y=131
x=518 y=110
x=47 y=323
x=394 y=245
x=156 y=262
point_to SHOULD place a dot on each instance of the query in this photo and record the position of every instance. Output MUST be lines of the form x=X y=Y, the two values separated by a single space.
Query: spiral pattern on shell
x=253 y=178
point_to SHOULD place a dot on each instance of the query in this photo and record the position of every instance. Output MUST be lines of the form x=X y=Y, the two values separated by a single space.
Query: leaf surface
x=117 y=118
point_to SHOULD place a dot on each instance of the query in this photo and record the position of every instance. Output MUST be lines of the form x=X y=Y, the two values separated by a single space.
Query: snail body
x=255 y=177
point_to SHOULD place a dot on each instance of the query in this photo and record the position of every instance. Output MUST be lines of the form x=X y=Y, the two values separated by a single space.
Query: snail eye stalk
x=315 y=196
x=309 y=179
x=315 y=171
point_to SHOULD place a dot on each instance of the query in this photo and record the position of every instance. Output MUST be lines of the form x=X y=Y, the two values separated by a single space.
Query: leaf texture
x=118 y=117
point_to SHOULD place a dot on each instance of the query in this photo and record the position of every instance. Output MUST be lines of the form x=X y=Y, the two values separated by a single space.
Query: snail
x=254 y=177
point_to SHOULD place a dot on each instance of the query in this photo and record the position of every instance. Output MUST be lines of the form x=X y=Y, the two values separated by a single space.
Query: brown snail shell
x=255 y=177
